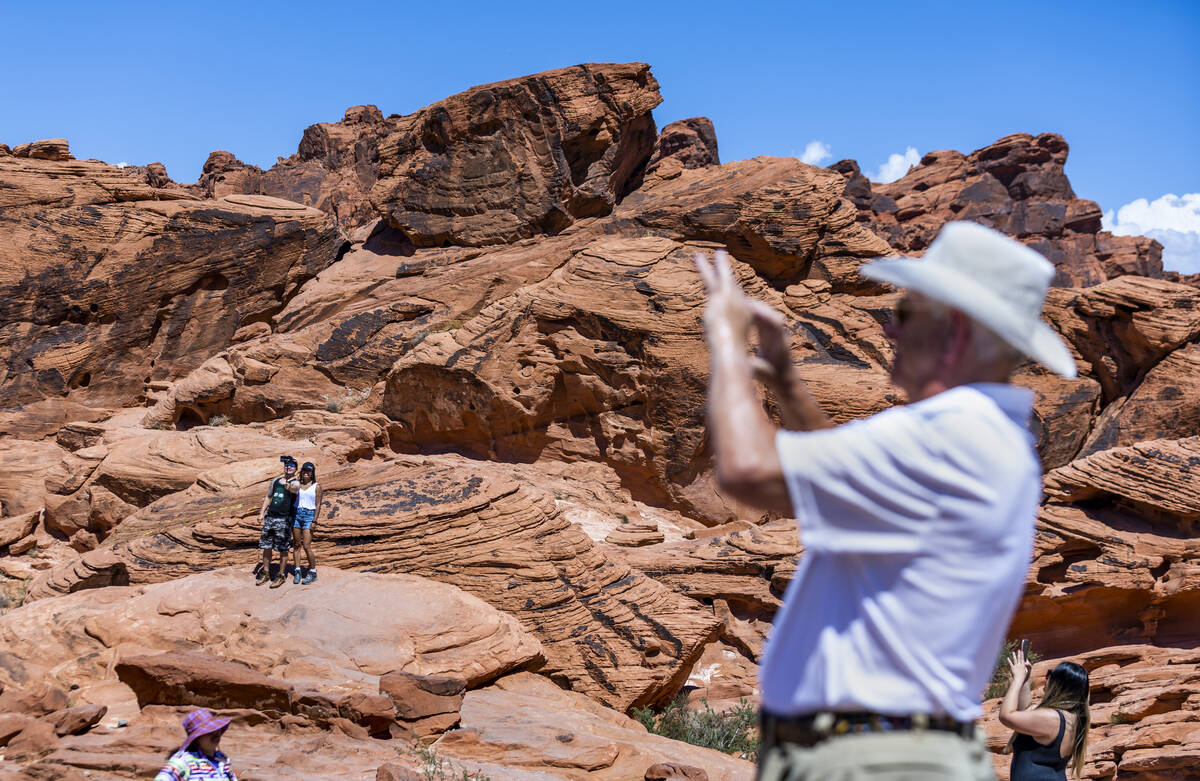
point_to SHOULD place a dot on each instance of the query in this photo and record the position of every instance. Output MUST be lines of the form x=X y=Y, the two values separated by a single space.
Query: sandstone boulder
x=17 y=527
x=692 y=143
x=316 y=652
x=786 y=219
x=94 y=569
x=421 y=696
x=674 y=771
x=525 y=720
x=201 y=680
x=517 y=158
x=76 y=720
x=46 y=149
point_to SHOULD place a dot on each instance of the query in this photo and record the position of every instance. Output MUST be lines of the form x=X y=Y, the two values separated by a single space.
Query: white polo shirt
x=917 y=526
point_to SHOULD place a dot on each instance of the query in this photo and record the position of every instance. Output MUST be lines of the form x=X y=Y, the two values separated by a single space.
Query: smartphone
x=1025 y=648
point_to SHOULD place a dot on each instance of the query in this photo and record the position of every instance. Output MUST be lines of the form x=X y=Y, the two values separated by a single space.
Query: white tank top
x=308 y=497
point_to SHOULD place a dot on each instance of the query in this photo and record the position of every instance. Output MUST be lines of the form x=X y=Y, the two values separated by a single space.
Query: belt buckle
x=825 y=724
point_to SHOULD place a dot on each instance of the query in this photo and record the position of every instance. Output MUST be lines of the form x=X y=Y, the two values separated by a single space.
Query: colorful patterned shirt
x=194 y=766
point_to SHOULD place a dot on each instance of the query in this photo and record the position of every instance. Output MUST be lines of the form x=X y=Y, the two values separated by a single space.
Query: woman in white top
x=308 y=508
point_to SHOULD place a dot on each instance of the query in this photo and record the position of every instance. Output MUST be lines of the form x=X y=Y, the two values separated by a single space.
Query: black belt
x=808 y=730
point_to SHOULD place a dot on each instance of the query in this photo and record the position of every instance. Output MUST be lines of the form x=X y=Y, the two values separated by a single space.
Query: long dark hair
x=311 y=467
x=1067 y=689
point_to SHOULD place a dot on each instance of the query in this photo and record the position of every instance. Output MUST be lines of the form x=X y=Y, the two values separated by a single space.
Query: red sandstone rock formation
x=333 y=169
x=111 y=284
x=501 y=379
x=1016 y=185
x=690 y=143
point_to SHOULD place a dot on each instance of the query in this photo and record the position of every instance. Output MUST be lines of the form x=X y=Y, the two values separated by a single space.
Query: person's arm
x=747 y=465
x=773 y=367
x=262 y=512
x=317 y=511
x=1039 y=723
x=169 y=773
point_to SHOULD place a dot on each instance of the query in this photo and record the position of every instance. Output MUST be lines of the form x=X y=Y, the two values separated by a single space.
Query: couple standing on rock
x=287 y=516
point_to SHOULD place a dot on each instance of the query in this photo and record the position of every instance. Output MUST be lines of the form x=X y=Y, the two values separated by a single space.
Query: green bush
x=1001 y=676
x=732 y=732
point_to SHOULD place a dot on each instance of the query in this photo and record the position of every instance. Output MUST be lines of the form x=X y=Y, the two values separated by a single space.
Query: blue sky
x=137 y=82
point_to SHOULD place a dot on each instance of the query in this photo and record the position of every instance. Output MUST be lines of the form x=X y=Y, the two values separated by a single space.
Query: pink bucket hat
x=201 y=722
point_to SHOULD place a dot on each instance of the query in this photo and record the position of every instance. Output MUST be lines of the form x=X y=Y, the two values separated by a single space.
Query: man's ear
x=958 y=339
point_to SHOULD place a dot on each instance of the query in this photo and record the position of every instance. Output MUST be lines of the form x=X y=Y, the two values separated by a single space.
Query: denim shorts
x=304 y=518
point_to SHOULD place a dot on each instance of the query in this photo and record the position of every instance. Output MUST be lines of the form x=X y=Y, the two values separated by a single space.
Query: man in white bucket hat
x=917 y=522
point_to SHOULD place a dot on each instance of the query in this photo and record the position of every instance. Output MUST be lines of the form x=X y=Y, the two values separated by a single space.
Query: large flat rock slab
x=352 y=628
x=606 y=629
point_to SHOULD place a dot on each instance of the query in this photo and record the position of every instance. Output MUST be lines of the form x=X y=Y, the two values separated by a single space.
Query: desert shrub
x=732 y=732
x=1001 y=676
x=336 y=402
x=434 y=768
x=12 y=594
x=219 y=420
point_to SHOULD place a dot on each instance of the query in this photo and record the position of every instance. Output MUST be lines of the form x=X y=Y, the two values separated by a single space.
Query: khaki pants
x=908 y=755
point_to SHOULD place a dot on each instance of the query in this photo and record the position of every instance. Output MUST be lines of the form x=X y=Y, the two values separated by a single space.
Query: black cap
x=288 y=460
x=309 y=465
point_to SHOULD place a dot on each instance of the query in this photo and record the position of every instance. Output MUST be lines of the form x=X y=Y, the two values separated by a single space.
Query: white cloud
x=1172 y=219
x=815 y=153
x=897 y=165
x=122 y=164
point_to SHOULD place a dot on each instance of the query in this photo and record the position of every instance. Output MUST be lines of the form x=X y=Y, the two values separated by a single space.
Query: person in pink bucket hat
x=199 y=758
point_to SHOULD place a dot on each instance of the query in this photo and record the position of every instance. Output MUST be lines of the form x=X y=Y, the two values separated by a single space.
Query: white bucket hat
x=992 y=279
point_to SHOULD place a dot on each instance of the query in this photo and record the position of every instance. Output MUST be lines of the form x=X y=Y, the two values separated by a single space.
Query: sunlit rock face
x=482 y=322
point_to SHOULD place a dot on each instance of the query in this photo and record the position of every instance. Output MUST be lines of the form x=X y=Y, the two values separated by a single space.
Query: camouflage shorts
x=276 y=534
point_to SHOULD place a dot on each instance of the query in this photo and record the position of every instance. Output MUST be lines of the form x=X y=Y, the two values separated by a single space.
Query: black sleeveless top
x=1032 y=761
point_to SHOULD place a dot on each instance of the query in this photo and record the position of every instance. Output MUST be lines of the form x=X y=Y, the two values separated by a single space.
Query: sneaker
x=310 y=577
x=262 y=577
x=278 y=580
x=296 y=575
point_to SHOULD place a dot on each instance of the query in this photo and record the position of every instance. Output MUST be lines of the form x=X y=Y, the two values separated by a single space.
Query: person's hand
x=773 y=362
x=727 y=314
x=1019 y=666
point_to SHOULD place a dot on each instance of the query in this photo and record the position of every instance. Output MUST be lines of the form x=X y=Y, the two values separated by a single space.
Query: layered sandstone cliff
x=482 y=322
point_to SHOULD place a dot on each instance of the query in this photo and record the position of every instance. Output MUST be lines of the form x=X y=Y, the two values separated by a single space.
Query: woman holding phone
x=1054 y=734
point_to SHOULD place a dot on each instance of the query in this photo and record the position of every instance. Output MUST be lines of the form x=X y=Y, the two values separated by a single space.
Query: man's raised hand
x=727 y=311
